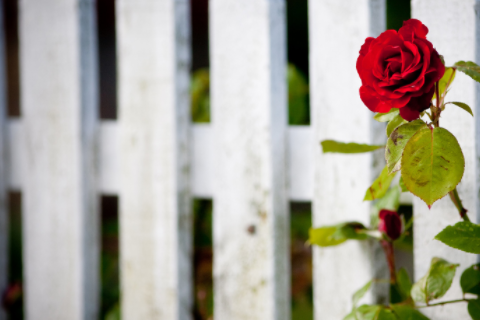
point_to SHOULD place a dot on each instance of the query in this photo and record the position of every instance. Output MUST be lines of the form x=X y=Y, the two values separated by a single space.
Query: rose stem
x=458 y=203
x=445 y=302
x=389 y=254
x=436 y=116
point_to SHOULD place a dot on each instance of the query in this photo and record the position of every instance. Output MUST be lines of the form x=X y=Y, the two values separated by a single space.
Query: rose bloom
x=399 y=70
x=390 y=223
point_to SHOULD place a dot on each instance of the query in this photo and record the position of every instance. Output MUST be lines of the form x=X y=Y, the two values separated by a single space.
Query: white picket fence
x=62 y=157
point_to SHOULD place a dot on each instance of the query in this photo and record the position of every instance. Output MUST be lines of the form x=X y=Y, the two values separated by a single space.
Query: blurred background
x=298 y=114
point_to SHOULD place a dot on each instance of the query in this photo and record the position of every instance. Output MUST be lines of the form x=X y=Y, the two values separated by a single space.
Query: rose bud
x=390 y=224
x=399 y=70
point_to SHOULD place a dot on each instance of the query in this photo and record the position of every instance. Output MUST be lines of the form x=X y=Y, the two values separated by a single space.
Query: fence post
x=251 y=223
x=454 y=33
x=337 y=30
x=3 y=168
x=155 y=223
x=59 y=108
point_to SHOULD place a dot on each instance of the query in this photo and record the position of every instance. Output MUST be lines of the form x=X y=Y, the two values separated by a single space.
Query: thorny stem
x=389 y=254
x=445 y=302
x=458 y=203
x=436 y=111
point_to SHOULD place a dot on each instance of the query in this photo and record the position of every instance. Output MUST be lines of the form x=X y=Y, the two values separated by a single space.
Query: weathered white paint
x=452 y=26
x=59 y=106
x=249 y=108
x=155 y=221
x=300 y=163
x=3 y=169
x=338 y=113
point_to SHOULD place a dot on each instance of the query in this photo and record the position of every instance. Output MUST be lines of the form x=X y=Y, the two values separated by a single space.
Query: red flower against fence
x=399 y=70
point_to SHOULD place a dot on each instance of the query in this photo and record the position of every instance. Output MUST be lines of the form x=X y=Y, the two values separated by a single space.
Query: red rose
x=390 y=223
x=399 y=70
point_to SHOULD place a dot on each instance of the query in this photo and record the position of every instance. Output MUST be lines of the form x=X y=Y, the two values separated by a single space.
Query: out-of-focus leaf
x=432 y=164
x=334 y=235
x=464 y=236
x=298 y=102
x=470 y=280
x=474 y=309
x=404 y=283
x=384 y=117
x=448 y=76
x=436 y=282
x=402 y=185
x=360 y=293
x=469 y=68
x=351 y=147
x=406 y=312
x=462 y=105
x=200 y=96
x=380 y=186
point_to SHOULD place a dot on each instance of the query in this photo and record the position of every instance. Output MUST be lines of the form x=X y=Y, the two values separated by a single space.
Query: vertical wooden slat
x=3 y=166
x=248 y=83
x=453 y=33
x=337 y=30
x=155 y=221
x=59 y=105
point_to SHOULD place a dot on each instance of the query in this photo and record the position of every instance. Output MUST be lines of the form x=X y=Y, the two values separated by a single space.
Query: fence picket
x=337 y=30
x=59 y=107
x=155 y=220
x=3 y=168
x=454 y=34
x=248 y=86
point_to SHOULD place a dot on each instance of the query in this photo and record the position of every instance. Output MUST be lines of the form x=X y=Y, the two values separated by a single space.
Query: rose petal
x=409 y=114
x=373 y=101
x=366 y=46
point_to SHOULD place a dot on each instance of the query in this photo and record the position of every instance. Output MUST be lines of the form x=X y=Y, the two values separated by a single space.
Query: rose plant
x=405 y=82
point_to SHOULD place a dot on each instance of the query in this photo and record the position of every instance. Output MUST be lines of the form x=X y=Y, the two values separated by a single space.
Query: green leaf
x=404 y=283
x=384 y=117
x=341 y=147
x=436 y=282
x=386 y=314
x=405 y=312
x=361 y=292
x=397 y=140
x=462 y=105
x=368 y=312
x=334 y=235
x=470 y=68
x=470 y=280
x=474 y=309
x=394 y=123
x=432 y=164
x=402 y=185
x=449 y=75
x=463 y=236
x=380 y=186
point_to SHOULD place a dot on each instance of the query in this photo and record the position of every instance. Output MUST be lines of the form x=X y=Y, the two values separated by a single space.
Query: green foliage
x=385 y=117
x=404 y=284
x=462 y=105
x=380 y=186
x=114 y=313
x=298 y=99
x=334 y=235
x=200 y=96
x=469 y=68
x=402 y=185
x=432 y=164
x=365 y=312
x=406 y=312
x=446 y=81
x=361 y=292
x=470 y=280
x=341 y=147
x=398 y=140
x=436 y=282
x=474 y=309
x=463 y=236
x=394 y=123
